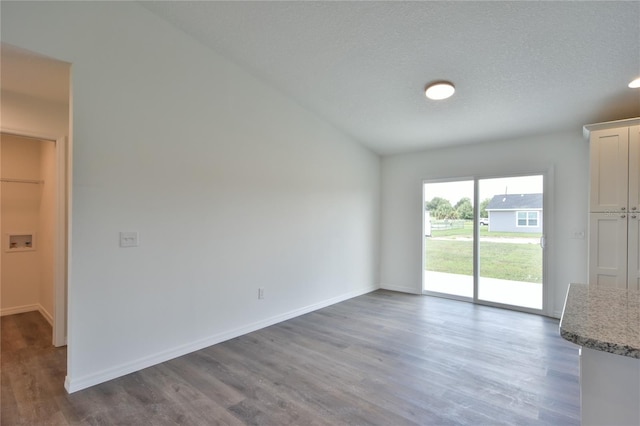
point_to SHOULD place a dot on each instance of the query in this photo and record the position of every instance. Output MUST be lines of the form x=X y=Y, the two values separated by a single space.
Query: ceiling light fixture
x=439 y=90
x=635 y=83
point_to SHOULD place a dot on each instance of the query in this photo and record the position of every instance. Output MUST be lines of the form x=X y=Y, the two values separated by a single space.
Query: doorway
x=33 y=228
x=486 y=240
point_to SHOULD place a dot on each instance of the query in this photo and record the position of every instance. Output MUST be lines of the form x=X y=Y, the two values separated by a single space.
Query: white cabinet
x=609 y=391
x=614 y=204
x=608 y=249
x=634 y=168
x=633 y=274
x=609 y=155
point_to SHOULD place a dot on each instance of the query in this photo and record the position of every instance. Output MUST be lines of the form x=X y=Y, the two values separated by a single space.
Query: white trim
x=549 y=233
x=45 y=314
x=76 y=384
x=60 y=245
x=19 y=309
x=587 y=129
x=28 y=308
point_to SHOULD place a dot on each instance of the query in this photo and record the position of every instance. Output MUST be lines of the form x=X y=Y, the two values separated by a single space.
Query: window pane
x=510 y=267
x=449 y=231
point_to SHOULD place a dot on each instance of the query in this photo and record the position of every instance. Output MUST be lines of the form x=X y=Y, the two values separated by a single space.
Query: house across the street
x=515 y=213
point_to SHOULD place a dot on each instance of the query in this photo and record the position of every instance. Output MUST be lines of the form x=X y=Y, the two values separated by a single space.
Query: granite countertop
x=602 y=318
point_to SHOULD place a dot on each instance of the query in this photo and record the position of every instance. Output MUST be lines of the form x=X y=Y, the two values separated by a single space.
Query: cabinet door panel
x=608 y=250
x=634 y=169
x=634 y=251
x=609 y=170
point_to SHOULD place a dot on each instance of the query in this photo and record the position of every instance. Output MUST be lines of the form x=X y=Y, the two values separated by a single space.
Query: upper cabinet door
x=634 y=169
x=609 y=170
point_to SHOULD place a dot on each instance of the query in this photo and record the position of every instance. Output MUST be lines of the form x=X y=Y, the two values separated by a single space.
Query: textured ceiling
x=520 y=68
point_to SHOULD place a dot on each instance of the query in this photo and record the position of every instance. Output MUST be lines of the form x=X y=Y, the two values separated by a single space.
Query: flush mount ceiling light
x=635 y=83
x=439 y=90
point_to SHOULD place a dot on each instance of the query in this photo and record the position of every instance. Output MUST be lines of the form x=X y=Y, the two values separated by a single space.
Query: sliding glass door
x=484 y=240
x=511 y=243
x=448 y=243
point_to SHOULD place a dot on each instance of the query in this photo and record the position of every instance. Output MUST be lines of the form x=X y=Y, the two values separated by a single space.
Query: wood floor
x=384 y=358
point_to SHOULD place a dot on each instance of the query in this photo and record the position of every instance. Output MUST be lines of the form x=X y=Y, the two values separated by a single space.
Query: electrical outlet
x=128 y=239
x=261 y=293
x=578 y=235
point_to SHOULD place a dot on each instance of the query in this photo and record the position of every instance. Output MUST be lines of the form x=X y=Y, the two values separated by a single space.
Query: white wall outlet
x=578 y=234
x=129 y=239
x=261 y=293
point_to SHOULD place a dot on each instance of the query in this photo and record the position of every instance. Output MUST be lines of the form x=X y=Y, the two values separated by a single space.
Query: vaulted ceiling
x=519 y=68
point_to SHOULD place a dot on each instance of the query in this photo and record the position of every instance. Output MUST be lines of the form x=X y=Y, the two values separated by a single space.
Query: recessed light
x=439 y=90
x=635 y=83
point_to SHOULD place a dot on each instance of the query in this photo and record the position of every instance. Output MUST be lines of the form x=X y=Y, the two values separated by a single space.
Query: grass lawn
x=467 y=231
x=508 y=261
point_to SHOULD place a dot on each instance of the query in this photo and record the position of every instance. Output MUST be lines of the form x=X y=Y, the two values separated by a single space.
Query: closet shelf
x=33 y=181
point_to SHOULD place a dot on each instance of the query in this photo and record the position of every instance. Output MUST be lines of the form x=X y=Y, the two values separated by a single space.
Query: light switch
x=128 y=239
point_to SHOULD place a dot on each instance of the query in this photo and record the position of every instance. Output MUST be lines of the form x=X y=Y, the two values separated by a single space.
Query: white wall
x=402 y=176
x=230 y=185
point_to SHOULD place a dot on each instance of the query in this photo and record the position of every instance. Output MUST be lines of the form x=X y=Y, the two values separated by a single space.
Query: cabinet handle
x=623 y=208
x=634 y=208
x=633 y=216
x=623 y=216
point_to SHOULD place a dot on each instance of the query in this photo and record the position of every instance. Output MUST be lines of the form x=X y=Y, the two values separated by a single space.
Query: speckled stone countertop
x=604 y=319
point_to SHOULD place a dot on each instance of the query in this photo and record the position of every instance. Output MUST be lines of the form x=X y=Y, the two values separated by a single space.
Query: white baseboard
x=19 y=309
x=76 y=384
x=28 y=308
x=401 y=289
x=46 y=314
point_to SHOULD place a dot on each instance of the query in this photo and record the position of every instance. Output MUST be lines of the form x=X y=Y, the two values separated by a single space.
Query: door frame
x=548 y=178
x=61 y=238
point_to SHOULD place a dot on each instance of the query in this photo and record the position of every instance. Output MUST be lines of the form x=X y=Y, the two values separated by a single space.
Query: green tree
x=461 y=201
x=464 y=209
x=436 y=202
x=483 y=207
x=445 y=211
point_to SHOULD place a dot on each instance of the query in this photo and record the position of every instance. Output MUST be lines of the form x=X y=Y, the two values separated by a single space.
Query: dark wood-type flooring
x=384 y=358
